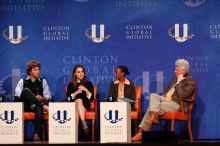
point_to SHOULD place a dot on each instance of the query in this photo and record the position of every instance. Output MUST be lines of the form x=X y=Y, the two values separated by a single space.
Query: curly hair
x=32 y=64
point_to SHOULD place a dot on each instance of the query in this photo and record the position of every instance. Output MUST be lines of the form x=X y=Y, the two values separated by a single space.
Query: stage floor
x=179 y=143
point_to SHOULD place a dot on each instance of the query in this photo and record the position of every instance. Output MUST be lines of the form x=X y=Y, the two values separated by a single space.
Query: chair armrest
x=92 y=105
x=137 y=104
x=182 y=107
x=186 y=99
x=190 y=101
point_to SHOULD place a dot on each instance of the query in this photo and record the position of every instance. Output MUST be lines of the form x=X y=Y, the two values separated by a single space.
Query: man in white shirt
x=34 y=91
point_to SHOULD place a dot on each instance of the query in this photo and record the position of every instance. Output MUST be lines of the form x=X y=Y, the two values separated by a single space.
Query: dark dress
x=87 y=84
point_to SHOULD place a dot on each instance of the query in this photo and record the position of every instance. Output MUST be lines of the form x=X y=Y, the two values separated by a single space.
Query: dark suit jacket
x=184 y=89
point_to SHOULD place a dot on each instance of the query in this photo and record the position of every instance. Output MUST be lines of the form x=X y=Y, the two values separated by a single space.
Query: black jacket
x=87 y=84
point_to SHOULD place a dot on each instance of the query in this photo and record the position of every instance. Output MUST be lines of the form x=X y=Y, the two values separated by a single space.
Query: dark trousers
x=32 y=104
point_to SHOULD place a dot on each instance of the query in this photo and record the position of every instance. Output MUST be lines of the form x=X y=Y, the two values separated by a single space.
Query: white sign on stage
x=11 y=123
x=115 y=122
x=63 y=123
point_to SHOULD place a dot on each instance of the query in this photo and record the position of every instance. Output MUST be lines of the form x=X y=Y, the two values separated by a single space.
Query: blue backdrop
x=138 y=33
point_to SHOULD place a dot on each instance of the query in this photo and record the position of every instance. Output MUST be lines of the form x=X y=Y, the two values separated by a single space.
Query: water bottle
x=110 y=99
x=68 y=98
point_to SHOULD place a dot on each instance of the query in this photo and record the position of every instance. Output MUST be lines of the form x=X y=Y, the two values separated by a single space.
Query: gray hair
x=183 y=64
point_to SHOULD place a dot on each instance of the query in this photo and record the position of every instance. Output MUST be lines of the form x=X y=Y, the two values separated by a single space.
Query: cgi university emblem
x=174 y=32
x=146 y=78
x=10 y=36
x=61 y=117
x=8 y=117
x=113 y=118
x=93 y=34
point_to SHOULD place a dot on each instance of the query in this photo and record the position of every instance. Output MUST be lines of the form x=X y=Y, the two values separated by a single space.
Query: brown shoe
x=138 y=136
x=154 y=117
x=148 y=121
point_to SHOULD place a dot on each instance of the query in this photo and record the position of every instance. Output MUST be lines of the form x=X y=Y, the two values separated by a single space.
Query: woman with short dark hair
x=122 y=87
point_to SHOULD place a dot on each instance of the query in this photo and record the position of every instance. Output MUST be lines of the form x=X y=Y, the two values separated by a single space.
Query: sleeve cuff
x=72 y=96
x=89 y=95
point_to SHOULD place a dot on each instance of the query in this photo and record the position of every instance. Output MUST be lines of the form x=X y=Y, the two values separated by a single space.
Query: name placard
x=115 y=122
x=11 y=123
x=63 y=123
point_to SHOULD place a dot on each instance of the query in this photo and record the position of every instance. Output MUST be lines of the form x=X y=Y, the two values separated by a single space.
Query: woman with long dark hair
x=80 y=91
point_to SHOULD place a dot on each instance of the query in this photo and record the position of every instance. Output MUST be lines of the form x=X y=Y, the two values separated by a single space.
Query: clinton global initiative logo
x=138 y=32
x=136 y=3
x=112 y=117
x=199 y=64
x=56 y=33
x=152 y=82
x=91 y=33
x=24 y=6
x=214 y=31
x=100 y=68
x=61 y=117
x=193 y=3
x=81 y=1
x=9 y=35
x=174 y=32
x=8 y=117
x=3 y=92
x=8 y=84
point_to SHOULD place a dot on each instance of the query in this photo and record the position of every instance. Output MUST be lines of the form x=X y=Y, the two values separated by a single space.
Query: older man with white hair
x=182 y=86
